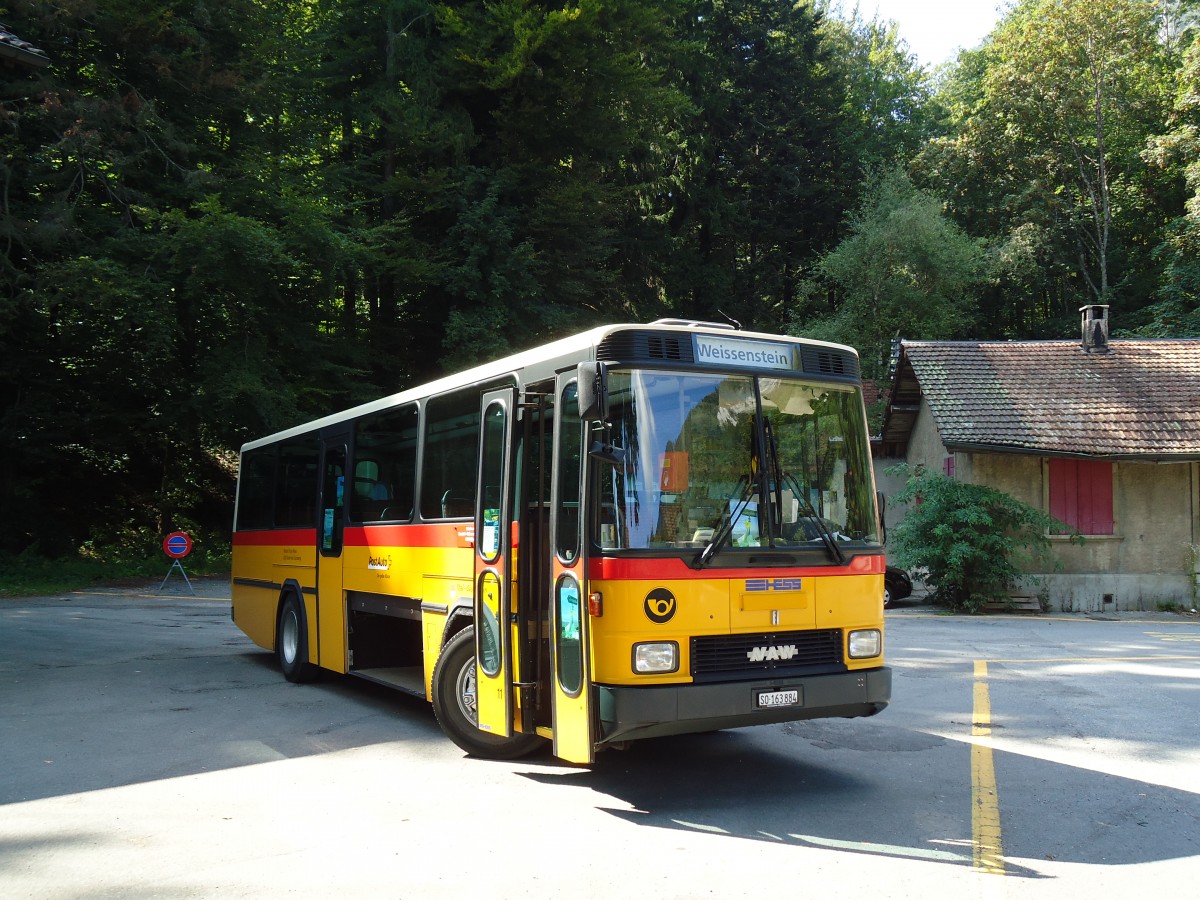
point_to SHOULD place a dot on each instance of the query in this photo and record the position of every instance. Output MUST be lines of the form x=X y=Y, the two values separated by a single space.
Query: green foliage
x=888 y=102
x=761 y=177
x=972 y=542
x=568 y=114
x=1042 y=149
x=1177 y=310
x=903 y=270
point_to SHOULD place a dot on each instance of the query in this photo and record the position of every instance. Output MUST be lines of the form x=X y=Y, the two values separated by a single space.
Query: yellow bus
x=638 y=531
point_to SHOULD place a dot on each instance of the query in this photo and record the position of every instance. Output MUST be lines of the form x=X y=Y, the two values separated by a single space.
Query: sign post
x=177 y=545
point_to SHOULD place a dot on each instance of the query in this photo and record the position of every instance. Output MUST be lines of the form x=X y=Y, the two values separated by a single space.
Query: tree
x=888 y=112
x=762 y=178
x=972 y=542
x=1177 y=310
x=904 y=269
x=570 y=111
x=150 y=257
x=1046 y=126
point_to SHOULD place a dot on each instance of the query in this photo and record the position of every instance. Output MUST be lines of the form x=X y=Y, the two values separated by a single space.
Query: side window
x=385 y=466
x=568 y=635
x=566 y=538
x=256 y=481
x=296 y=484
x=450 y=456
x=334 y=496
x=495 y=430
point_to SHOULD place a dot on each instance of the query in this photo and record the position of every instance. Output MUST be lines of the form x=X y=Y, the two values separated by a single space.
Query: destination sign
x=745 y=353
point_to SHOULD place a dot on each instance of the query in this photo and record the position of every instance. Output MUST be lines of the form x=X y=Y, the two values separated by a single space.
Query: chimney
x=1094 y=325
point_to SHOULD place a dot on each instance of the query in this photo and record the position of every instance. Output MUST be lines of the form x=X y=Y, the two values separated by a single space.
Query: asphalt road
x=150 y=750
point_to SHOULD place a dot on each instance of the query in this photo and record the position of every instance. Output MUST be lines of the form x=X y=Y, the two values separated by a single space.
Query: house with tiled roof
x=1104 y=435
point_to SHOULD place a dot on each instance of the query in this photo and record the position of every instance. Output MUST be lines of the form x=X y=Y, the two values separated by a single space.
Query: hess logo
x=659 y=605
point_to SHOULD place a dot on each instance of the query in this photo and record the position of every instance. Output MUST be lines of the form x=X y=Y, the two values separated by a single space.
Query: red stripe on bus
x=286 y=537
x=627 y=569
x=448 y=534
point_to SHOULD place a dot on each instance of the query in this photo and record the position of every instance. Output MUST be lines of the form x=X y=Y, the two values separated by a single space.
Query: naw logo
x=772 y=654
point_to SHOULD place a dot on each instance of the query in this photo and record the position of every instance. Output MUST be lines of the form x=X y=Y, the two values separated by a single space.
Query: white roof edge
x=513 y=363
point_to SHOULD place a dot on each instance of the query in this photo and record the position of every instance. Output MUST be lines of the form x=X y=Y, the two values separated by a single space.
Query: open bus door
x=327 y=624
x=494 y=563
x=570 y=644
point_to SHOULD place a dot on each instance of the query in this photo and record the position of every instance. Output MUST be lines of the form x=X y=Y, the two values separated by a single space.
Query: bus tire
x=291 y=642
x=454 y=703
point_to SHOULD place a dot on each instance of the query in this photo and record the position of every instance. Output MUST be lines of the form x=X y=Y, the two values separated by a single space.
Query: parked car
x=896 y=585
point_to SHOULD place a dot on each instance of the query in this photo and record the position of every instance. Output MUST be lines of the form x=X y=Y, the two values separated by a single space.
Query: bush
x=973 y=542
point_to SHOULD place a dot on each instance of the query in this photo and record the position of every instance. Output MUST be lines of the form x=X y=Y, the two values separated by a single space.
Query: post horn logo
x=659 y=605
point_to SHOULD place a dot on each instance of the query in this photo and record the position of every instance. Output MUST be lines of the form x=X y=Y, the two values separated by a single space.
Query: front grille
x=785 y=653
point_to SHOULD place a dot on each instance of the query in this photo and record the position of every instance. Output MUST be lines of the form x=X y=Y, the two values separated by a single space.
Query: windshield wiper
x=743 y=490
x=827 y=538
x=775 y=470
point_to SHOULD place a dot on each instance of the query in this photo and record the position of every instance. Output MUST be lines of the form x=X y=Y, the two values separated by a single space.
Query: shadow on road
x=828 y=784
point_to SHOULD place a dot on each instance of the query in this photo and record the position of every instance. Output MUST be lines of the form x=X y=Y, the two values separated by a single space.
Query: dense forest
x=224 y=218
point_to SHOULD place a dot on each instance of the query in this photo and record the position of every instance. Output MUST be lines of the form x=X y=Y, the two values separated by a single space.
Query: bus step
x=410 y=679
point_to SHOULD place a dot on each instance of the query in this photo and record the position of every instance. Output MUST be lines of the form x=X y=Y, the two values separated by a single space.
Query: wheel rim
x=464 y=691
x=289 y=638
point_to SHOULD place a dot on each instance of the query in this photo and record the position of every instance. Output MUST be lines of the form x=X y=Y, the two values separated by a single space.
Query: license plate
x=774 y=699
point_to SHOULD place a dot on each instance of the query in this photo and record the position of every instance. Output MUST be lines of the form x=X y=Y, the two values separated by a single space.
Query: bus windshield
x=733 y=461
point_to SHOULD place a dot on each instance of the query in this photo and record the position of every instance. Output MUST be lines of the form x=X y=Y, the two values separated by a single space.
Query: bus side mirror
x=593 y=391
x=881 y=502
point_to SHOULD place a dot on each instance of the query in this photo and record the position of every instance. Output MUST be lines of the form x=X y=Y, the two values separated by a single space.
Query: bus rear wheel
x=454 y=703
x=291 y=642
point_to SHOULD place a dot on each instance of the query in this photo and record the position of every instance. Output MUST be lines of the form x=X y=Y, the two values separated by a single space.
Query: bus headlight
x=864 y=644
x=655 y=658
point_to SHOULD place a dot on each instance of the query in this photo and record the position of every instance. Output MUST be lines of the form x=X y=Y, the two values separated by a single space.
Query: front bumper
x=630 y=713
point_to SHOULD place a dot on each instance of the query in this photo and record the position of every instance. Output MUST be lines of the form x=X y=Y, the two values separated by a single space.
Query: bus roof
x=551 y=358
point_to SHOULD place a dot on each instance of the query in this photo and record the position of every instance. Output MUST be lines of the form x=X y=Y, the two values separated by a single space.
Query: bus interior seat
x=456 y=507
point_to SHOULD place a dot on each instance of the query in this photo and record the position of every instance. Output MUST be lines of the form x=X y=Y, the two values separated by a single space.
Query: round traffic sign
x=177 y=544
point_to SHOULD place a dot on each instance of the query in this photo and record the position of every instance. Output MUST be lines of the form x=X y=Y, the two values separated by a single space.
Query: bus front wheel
x=455 y=708
x=291 y=642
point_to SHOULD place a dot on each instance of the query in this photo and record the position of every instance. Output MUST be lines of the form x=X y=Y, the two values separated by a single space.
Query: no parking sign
x=177 y=544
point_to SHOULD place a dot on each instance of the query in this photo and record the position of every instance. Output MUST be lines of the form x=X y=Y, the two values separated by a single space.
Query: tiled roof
x=1141 y=399
x=19 y=51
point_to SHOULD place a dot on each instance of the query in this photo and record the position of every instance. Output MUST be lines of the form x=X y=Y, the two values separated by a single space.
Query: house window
x=1081 y=494
x=948 y=466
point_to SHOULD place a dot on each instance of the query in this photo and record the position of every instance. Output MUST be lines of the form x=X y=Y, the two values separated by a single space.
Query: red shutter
x=1081 y=494
x=1063 y=490
x=1095 y=496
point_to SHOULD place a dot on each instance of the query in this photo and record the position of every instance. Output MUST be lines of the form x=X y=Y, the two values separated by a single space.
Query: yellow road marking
x=988 y=853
